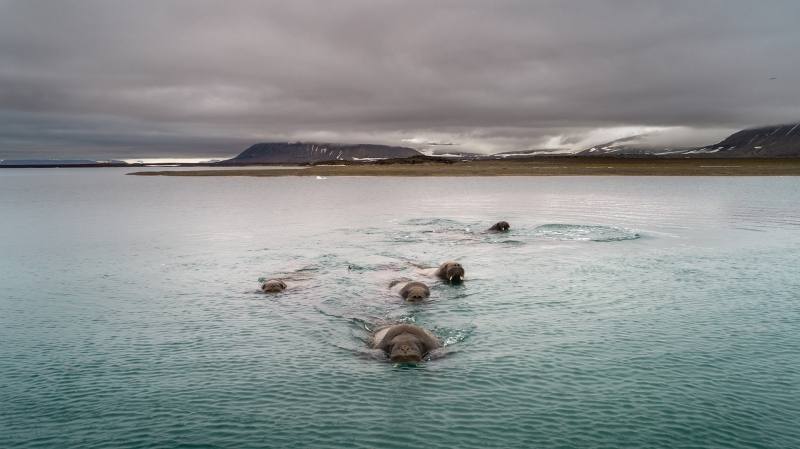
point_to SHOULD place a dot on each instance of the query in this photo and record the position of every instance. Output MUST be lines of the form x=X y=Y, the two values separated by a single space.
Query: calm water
x=618 y=313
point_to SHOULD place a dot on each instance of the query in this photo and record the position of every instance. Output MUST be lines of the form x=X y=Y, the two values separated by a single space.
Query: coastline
x=556 y=166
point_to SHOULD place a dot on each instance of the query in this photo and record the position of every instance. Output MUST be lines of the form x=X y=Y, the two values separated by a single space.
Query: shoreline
x=529 y=167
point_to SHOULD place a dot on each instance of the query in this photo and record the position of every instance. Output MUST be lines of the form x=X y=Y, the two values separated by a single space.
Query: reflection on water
x=616 y=312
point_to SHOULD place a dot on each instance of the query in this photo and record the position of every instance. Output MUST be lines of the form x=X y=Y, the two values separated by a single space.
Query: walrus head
x=415 y=292
x=500 y=226
x=452 y=272
x=273 y=286
x=405 y=343
x=406 y=348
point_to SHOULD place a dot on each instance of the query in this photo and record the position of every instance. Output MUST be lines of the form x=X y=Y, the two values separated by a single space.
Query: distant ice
x=175 y=160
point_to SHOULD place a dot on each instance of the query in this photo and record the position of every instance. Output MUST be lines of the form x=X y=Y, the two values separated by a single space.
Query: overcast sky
x=207 y=78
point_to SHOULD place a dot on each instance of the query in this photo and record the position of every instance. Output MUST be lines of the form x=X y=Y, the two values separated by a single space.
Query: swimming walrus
x=405 y=343
x=273 y=286
x=500 y=226
x=451 y=272
x=415 y=292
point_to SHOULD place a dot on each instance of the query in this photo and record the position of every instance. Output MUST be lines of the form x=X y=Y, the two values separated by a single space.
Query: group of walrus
x=407 y=343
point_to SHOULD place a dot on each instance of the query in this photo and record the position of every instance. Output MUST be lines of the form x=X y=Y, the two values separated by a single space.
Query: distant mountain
x=302 y=152
x=765 y=141
x=633 y=146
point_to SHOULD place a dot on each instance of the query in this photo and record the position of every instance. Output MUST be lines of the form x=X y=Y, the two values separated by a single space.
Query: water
x=618 y=312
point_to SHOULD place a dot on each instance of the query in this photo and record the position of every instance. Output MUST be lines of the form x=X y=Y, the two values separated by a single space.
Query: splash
x=592 y=233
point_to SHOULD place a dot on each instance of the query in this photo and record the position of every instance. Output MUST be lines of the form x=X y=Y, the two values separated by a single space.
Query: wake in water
x=452 y=231
x=394 y=282
x=367 y=331
x=590 y=233
x=280 y=281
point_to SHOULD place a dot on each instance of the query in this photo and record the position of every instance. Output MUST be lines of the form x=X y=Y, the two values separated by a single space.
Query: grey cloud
x=203 y=77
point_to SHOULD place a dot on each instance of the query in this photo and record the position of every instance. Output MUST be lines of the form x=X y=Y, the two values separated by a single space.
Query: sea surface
x=619 y=312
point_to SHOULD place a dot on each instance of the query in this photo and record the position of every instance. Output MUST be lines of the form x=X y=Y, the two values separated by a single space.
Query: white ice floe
x=703 y=151
x=530 y=153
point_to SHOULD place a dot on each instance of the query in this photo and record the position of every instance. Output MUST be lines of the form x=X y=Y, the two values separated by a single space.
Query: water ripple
x=133 y=323
x=592 y=233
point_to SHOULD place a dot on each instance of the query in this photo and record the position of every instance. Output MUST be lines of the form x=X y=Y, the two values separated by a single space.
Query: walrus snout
x=405 y=343
x=455 y=274
x=415 y=292
x=452 y=272
x=273 y=286
x=415 y=297
x=405 y=353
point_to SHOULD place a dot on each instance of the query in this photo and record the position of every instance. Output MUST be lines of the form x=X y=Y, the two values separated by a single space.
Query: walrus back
x=378 y=337
x=380 y=334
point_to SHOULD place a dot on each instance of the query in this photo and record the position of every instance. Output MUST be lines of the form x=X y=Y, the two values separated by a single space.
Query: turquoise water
x=619 y=312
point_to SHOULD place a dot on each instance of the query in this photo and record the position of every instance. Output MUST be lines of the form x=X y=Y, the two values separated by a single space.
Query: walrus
x=451 y=272
x=273 y=286
x=415 y=292
x=500 y=226
x=405 y=343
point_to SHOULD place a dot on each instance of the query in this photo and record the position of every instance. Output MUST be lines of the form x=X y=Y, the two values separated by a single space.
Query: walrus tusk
x=451 y=279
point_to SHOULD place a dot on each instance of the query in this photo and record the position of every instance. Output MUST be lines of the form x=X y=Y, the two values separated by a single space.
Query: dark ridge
x=306 y=153
x=765 y=141
x=778 y=141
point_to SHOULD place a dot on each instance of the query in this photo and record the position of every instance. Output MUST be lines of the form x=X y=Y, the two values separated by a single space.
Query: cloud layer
x=177 y=78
